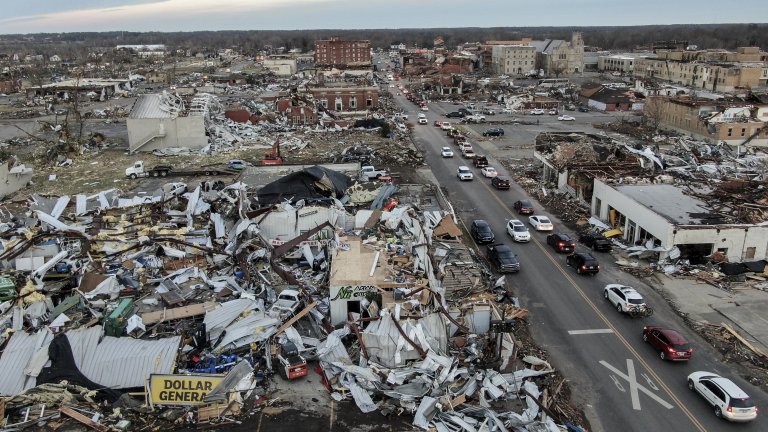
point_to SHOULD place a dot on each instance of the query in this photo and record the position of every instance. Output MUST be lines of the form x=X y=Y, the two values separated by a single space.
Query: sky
x=53 y=16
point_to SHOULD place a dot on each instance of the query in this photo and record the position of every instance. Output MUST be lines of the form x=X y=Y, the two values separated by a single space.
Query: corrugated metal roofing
x=218 y=319
x=148 y=106
x=113 y=362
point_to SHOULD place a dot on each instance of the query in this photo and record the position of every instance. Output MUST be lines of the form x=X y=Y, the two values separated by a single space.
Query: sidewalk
x=743 y=308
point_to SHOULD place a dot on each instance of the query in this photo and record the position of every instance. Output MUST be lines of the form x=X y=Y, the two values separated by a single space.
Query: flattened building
x=164 y=120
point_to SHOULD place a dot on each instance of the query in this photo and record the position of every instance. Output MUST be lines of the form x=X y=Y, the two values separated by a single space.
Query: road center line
x=589 y=331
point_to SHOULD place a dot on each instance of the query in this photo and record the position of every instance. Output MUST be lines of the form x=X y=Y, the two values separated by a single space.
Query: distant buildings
x=560 y=57
x=624 y=63
x=513 y=59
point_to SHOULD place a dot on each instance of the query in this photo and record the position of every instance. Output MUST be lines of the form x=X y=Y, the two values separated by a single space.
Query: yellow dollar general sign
x=181 y=389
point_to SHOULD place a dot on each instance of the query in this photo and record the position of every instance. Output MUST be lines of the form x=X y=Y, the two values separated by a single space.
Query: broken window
x=353 y=102
x=743 y=131
x=324 y=102
x=730 y=131
x=338 y=104
x=369 y=102
x=750 y=253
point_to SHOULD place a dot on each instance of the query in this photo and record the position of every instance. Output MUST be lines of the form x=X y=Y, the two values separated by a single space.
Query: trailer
x=138 y=170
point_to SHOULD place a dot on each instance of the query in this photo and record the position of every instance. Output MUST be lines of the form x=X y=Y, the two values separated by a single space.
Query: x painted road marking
x=634 y=386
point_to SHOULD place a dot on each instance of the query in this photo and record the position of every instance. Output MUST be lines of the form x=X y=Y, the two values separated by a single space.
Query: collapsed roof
x=310 y=183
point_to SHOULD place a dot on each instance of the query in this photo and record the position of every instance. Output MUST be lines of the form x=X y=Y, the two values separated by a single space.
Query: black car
x=596 y=241
x=561 y=242
x=454 y=114
x=523 y=207
x=583 y=262
x=481 y=231
x=583 y=109
x=494 y=132
x=502 y=257
x=464 y=112
x=500 y=182
x=480 y=161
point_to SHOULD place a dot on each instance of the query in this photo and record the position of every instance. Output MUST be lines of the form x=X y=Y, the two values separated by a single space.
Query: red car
x=523 y=207
x=670 y=344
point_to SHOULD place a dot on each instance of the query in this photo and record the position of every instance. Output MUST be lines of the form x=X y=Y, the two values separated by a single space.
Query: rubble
x=182 y=292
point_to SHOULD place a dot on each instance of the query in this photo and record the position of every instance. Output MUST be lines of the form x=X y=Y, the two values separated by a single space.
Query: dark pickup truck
x=502 y=257
x=480 y=161
x=596 y=241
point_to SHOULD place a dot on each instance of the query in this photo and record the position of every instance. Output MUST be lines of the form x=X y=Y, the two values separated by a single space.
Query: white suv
x=464 y=173
x=623 y=298
x=518 y=231
x=730 y=402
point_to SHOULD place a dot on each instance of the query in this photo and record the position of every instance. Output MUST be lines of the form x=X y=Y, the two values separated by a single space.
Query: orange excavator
x=273 y=157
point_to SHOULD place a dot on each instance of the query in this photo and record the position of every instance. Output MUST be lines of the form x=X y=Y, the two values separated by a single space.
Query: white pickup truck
x=368 y=173
x=288 y=304
x=475 y=118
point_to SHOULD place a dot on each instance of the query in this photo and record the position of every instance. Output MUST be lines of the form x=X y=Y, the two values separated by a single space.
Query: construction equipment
x=273 y=157
x=292 y=364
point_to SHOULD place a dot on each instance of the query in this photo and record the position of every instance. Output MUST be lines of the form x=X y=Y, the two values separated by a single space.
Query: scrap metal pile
x=135 y=312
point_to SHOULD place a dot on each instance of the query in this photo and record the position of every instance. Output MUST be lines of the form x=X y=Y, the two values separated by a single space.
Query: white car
x=423 y=120
x=425 y=108
x=541 y=223
x=464 y=173
x=446 y=152
x=446 y=126
x=537 y=111
x=489 y=172
x=566 y=117
x=623 y=297
x=506 y=111
x=518 y=231
x=730 y=401
x=174 y=189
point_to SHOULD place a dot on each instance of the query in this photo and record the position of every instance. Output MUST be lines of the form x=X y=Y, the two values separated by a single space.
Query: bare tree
x=653 y=111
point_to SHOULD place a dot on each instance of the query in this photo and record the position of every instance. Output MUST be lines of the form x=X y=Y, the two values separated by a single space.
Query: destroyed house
x=159 y=121
x=663 y=217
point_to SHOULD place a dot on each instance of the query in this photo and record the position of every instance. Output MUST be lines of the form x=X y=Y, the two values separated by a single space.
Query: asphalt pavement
x=618 y=380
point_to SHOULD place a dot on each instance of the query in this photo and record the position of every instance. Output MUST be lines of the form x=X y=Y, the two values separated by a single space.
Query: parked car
x=583 y=262
x=464 y=173
x=481 y=161
x=570 y=107
x=501 y=182
x=503 y=258
x=670 y=344
x=454 y=114
x=446 y=152
x=481 y=231
x=174 y=189
x=237 y=164
x=537 y=111
x=464 y=111
x=596 y=241
x=445 y=126
x=541 y=223
x=506 y=111
x=523 y=207
x=566 y=117
x=561 y=242
x=552 y=111
x=489 y=172
x=489 y=112
x=518 y=231
x=583 y=109
x=730 y=402
x=622 y=297
x=494 y=132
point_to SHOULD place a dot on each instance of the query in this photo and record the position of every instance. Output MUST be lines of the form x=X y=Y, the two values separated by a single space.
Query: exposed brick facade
x=347 y=98
x=335 y=52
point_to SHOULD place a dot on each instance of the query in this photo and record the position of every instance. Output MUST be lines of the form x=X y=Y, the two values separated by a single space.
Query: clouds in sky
x=190 y=15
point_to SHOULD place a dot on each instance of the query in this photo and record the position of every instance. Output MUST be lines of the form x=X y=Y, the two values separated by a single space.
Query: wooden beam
x=295 y=318
x=741 y=339
x=67 y=411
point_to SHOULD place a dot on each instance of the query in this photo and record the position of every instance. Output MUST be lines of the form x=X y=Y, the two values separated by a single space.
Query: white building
x=513 y=59
x=281 y=66
x=671 y=219
x=624 y=63
x=164 y=120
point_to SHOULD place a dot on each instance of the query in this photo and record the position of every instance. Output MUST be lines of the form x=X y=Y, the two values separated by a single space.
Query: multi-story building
x=513 y=59
x=557 y=57
x=715 y=70
x=346 y=97
x=734 y=123
x=624 y=63
x=281 y=65
x=335 y=52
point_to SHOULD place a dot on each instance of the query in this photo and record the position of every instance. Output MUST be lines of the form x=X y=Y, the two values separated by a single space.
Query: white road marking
x=651 y=384
x=617 y=383
x=589 y=331
x=634 y=386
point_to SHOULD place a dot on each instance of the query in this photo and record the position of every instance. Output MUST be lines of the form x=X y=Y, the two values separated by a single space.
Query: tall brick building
x=335 y=52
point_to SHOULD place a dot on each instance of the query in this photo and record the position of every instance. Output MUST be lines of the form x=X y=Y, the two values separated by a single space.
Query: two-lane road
x=617 y=379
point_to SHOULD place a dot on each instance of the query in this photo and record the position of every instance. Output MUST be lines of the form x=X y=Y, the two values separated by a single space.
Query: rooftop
x=668 y=201
x=353 y=266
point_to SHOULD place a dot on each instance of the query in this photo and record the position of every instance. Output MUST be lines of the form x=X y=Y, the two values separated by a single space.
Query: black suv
x=454 y=114
x=583 y=263
x=561 y=242
x=494 y=132
x=596 y=241
x=464 y=112
x=500 y=182
x=481 y=231
x=502 y=257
